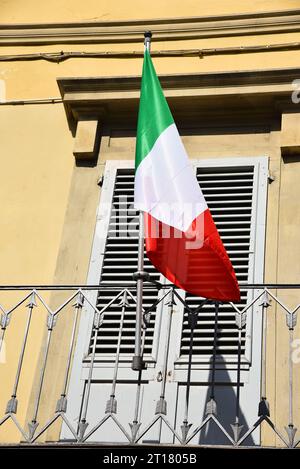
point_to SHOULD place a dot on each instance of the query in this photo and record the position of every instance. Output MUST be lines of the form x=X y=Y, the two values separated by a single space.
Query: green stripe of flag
x=154 y=113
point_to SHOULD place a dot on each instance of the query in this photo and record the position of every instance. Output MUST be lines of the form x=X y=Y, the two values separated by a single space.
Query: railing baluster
x=62 y=401
x=12 y=404
x=4 y=321
x=185 y=427
x=291 y=319
x=211 y=406
x=51 y=319
x=236 y=427
x=263 y=407
x=111 y=406
x=83 y=424
x=161 y=406
x=135 y=425
x=192 y=320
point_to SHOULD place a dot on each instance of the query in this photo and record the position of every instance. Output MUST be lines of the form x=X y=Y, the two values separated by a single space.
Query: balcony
x=116 y=405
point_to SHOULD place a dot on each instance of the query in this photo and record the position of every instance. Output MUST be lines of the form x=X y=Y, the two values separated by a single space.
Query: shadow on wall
x=225 y=397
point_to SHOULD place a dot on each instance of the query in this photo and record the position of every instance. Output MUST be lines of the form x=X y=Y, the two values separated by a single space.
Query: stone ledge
x=164 y=29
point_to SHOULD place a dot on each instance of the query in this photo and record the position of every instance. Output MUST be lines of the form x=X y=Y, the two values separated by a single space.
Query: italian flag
x=182 y=240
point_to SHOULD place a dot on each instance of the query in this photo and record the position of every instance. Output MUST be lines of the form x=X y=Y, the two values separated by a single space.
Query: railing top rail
x=243 y=286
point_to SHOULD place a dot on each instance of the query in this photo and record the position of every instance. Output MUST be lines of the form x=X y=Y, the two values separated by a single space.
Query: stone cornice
x=164 y=29
x=258 y=96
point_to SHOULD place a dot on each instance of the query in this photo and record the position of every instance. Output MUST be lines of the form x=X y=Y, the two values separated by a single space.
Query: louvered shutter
x=119 y=263
x=229 y=195
x=229 y=191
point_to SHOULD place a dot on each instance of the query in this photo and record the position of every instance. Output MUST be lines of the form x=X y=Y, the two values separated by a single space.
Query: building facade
x=69 y=92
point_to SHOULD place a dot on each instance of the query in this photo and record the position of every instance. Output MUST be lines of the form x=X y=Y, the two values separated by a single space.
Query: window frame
x=102 y=371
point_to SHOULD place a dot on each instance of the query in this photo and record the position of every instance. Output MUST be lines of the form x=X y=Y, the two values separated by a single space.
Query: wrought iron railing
x=33 y=298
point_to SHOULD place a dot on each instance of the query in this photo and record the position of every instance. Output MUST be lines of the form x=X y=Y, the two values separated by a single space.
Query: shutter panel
x=229 y=195
x=119 y=263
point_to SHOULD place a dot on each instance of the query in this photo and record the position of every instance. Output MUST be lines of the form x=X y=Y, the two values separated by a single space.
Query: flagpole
x=140 y=275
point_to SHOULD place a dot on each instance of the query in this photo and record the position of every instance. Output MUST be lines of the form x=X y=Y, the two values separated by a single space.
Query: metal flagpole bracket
x=147 y=42
x=138 y=363
x=141 y=275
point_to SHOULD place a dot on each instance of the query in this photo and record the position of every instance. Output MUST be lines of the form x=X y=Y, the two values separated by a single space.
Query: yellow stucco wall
x=30 y=11
x=36 y=170
x=42 y=193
